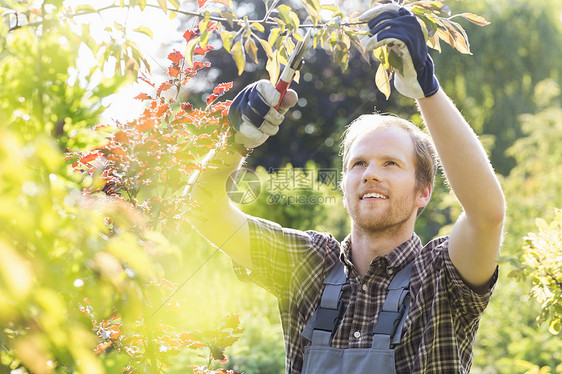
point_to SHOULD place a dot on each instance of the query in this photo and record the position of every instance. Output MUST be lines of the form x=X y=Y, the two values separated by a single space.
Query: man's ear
x=424 y=195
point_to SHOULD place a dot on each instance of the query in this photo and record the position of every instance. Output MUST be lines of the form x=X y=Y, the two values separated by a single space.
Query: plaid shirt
x=440 y=328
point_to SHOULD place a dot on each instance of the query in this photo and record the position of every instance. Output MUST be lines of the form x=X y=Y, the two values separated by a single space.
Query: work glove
x=253 y=117
x=398 y=28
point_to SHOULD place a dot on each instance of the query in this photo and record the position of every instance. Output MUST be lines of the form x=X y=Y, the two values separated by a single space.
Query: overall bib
x=321 y=358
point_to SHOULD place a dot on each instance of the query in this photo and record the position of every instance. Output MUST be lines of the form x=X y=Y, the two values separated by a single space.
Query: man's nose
x=372 y=174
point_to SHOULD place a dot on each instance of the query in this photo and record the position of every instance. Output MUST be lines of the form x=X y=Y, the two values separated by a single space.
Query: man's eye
x=359 y=163
x=391 y=163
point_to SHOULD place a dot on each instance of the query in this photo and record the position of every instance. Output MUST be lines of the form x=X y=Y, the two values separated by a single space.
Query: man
x=380 y=302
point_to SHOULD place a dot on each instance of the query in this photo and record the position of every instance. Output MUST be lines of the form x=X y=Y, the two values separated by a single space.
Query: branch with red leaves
x=147 y=161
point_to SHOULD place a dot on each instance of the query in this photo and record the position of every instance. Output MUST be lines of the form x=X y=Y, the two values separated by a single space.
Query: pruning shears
x=294 y=64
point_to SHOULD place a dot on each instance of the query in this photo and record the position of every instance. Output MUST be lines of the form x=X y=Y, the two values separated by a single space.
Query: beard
x=387 y=219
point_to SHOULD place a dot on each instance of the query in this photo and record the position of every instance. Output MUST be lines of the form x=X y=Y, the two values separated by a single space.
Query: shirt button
x=357 y=334
x=364 y=287
x=390 y=271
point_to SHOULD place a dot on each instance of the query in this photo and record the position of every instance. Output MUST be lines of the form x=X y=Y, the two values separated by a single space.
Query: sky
x=166 y=33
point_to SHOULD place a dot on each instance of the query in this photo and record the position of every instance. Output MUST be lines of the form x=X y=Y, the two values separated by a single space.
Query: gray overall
x=321 y=358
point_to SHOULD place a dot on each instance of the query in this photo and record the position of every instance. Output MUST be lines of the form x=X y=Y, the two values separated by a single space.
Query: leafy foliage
x=147 y=161
x=276 y=32
x=542 y=266
x=333 y=31
x=61 y=247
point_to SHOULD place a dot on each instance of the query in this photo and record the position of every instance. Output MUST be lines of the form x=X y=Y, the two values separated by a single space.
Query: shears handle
x=293 y=65
x=282 y=88
x=285 y=80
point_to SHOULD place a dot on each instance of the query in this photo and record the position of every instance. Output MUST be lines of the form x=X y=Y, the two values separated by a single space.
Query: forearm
x=216 y=218
x=464 y=160
x=210 y=187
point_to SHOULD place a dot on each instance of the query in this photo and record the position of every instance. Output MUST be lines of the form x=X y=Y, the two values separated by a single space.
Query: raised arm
x=476 y=236
x=253 y=119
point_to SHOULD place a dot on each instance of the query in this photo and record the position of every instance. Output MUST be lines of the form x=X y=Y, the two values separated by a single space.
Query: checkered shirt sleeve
x=277 y=252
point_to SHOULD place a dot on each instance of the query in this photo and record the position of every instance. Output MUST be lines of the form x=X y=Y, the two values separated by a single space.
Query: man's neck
x=367 y=245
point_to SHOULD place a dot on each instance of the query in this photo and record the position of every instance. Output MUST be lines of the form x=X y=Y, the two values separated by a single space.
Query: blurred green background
x=509 y=90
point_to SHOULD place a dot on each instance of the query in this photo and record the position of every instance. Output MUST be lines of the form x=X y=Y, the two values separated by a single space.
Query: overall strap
x=388 y=330
x=322 y=325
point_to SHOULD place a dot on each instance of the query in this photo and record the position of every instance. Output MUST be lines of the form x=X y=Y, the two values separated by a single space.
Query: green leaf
x=204 y=38
x=342 y=55
x=382 y=81
x=273 y=35
x=396 y=62
x=229 y=16
x=227 y=37
x=313 y=6
x=145 y=30
x=251 y=49
x=188 y=55
x=477 y=20
x=205 y=22
x=541 y=224
x=554 y=327
x=333 y=8
x=267 y=48
x=284 y=11
x=272 y=67
x=85 y=9
x=295 y=21
x=163 y=5
x=238 y=56
x=282 y=24
x=258 y=26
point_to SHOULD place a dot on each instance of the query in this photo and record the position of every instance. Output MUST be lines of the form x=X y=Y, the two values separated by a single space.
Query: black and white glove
x=399 y=29
x=253 y=117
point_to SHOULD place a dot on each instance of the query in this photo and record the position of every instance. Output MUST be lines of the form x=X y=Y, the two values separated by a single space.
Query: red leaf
x=174 y=71
x=162 y=109
x=118 y=151
x=189 y=168
x=219 y=91
x=213 y=26
x=222 y=88
x=202 y=51
x=90 y=157
x=142 y=96
x=146 y=124
x=201 y=2
x=187 y=107
x=102 y=347
x=143 y=78
x=175 y=57
x=221 y=108
x=190 y=34
x=121 y=137
x=211 y=98
x=163 y=87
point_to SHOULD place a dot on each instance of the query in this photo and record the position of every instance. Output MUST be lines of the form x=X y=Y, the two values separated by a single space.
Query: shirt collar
x=398 y=258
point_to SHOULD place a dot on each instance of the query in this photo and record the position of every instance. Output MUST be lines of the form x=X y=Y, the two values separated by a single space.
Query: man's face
x=380 y=182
